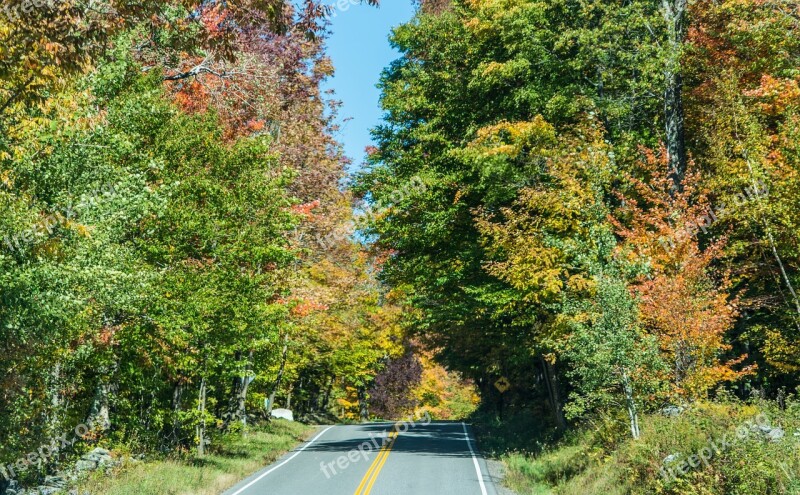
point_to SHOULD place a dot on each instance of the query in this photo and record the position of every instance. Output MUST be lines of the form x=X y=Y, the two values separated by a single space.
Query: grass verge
x=234 y=458
x=724 y=447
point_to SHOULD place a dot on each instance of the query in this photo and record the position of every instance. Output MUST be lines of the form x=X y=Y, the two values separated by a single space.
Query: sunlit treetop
x=42 y=42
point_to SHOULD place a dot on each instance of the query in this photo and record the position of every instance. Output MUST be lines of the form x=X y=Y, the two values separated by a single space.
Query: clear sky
x=359 y=48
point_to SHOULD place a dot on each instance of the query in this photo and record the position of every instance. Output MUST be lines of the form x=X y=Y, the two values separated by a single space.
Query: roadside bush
x=728 y=447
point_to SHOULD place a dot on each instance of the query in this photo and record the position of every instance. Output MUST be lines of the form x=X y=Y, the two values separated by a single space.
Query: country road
x=439 y=458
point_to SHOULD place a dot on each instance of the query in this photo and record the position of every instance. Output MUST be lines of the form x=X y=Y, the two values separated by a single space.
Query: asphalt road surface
x=438 y=458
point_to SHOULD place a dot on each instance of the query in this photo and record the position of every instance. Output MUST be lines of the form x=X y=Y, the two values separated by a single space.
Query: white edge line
x=245 y=487
x=474 y=460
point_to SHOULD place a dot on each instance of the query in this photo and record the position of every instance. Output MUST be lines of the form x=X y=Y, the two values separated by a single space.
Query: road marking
x=378 y=469
x=373 y=465
x=377 y=465
x=474 y=460
x=242 y=489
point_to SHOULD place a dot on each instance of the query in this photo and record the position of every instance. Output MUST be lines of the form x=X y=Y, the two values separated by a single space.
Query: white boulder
x=283 y=414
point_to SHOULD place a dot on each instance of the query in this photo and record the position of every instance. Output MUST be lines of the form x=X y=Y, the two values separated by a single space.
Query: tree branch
x=16 y=94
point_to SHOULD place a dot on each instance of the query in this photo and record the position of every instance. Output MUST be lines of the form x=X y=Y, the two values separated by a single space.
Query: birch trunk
x=630 y=405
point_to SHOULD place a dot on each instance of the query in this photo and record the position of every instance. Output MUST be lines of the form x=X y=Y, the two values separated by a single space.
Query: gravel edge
x=497 y=472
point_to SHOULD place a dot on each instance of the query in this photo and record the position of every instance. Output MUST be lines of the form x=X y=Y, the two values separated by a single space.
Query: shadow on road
x=439 y=440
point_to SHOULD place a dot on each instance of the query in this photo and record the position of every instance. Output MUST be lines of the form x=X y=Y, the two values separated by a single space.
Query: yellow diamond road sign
x=502 y=384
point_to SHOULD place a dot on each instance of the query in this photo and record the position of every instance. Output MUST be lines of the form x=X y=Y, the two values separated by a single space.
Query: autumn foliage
x=684 y=294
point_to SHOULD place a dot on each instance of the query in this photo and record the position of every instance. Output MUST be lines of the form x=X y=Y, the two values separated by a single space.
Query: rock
x=670 y=458
x=770 y=433
x=672 y=411
x=775 y=435
x=282 y=414
x=55 y=481
x=11 y=488
x=99 y=459
x=85 y=465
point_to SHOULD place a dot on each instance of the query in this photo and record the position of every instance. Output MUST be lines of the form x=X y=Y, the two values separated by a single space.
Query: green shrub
x=720 y=444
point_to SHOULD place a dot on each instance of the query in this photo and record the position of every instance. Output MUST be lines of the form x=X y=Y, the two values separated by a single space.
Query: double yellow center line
x=365 y=487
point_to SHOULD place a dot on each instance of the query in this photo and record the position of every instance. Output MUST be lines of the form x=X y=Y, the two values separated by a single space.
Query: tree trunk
x=782 y=269
x=500 y=404
x=241 y=384
x=326 y=398
x=99 y=414
x=363 y=407
x=554 y=394
x=630 y=404
x=279 y=378
x=233 y=401
x=242 y=398
x=54 y=391
x=201 y=427
x=314 y=398
x=675 y=16
x=771 y=240
x=177 y=395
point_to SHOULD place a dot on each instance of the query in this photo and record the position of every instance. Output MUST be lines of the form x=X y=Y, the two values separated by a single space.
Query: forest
x=575 y=229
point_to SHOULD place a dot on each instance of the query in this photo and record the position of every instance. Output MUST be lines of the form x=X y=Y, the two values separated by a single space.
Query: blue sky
x=359 y=48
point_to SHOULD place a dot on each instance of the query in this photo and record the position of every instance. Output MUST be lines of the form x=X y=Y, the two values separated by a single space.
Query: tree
x=391 y=395
x=742 y=118
x=44 y=42
x=473 y=107
x=684 y=297
x=615 y=362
